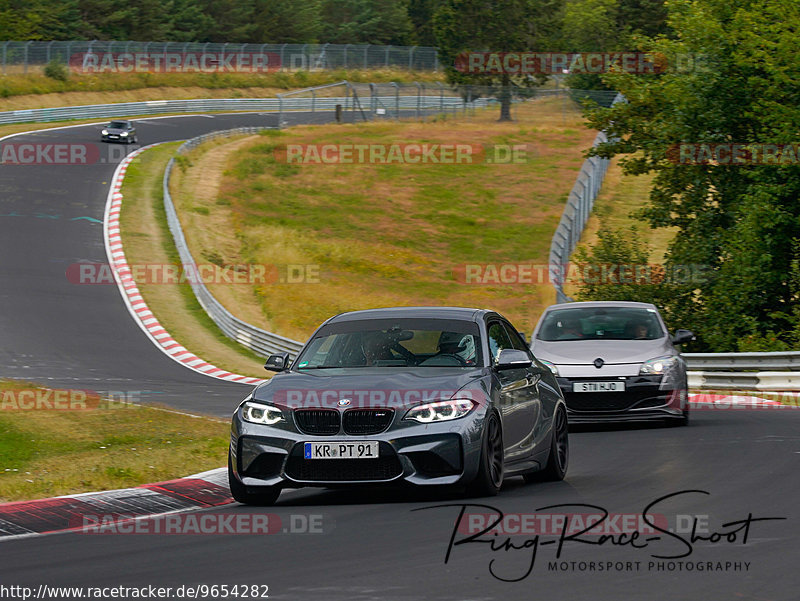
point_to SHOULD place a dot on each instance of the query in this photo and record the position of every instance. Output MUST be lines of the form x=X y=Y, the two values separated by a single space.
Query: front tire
x=558 y=460
x=490 y=470
x=266 y=496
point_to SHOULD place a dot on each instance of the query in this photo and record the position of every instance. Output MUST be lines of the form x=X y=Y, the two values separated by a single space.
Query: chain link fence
x=25 y=57
x=579 y=202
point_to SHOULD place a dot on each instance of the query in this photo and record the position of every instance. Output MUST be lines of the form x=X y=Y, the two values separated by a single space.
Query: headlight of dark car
x=260 y=413
x=440 y=411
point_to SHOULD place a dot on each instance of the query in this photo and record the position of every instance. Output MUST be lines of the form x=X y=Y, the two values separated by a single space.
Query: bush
x=57 y=70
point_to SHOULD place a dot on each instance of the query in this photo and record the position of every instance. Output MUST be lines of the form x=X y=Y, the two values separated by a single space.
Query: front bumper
x=115 y=138
x=446 y=453
x=645 y=398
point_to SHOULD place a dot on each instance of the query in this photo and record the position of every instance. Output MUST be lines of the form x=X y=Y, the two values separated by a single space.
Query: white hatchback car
x=614 y=361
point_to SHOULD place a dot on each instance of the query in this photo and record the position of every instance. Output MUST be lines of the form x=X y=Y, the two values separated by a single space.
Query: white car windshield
x=600 y=323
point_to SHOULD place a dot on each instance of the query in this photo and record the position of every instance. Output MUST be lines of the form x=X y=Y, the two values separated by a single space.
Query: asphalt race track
x=372 y=544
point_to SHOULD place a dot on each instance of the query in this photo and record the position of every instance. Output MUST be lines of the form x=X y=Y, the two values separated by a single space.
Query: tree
x=421 y=13
x=286 y=22
x=463 y=26
x=365 y=22
x=741 y=222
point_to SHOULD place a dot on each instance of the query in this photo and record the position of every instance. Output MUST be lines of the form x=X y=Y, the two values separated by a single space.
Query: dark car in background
x=614 y=361
x=425 y=396
x=119 y=131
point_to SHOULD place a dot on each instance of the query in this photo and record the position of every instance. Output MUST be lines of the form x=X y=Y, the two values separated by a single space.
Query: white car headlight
x=105 y=132
x=124 y=133
x=259 y=413
x=551 y=366
x=440 y=411
x=657 y=365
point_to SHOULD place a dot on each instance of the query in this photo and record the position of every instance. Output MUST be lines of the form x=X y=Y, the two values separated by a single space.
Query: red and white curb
x=79 y=513
x=130 y=292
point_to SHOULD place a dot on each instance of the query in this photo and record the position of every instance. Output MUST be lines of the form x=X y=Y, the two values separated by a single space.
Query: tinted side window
x=516 y=340
x=498 y=339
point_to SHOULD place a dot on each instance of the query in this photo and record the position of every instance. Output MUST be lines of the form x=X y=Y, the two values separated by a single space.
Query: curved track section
x=70 y=336
x=372 y=544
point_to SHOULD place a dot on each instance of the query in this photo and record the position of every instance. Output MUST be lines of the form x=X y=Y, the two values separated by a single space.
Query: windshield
x=600 y=323
x=393 y=343
x=118 y=125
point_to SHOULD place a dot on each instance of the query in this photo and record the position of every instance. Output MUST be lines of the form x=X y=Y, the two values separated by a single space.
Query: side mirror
x=277 y=362
x=682 y=336
x=512 y=359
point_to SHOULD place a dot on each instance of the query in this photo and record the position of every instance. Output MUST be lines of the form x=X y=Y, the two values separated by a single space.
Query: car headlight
x=551 y=366
x=105 y=132
x=124 y=133
x=657 y=365
x=258 y=413
x=440 y=411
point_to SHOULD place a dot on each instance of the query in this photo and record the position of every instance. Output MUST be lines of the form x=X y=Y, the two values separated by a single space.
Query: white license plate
x=341 y=450
x=618 y=386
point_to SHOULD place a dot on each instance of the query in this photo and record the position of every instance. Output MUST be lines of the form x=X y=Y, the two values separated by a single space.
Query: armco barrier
x=205 y=105
x=729 y=371
x=259 y=341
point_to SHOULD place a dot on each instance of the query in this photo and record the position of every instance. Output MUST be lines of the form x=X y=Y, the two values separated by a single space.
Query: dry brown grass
x=384 y=235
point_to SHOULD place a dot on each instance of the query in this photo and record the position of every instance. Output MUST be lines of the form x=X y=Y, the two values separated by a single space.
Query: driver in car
x=376 y=347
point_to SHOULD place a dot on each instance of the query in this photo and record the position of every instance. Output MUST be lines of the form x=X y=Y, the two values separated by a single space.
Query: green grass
x=146 y=241
x=53 y=452
x=37 y=83
x=384 y=235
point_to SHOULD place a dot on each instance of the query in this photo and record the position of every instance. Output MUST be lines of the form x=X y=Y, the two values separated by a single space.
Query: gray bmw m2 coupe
x=423 y=395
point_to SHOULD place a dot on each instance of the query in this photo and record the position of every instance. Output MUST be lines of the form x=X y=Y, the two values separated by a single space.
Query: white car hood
x=612 y=352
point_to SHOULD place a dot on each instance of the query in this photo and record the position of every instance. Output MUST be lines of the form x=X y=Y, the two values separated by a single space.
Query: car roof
x=462 y=313
x=578 y=305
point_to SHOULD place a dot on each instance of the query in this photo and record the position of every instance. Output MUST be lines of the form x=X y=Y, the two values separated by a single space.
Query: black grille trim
x=367 y=421
x=320 y=422
x=386 y=466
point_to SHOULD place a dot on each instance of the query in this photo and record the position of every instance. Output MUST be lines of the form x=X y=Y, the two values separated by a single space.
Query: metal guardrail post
x=346 y=46
x=366 y=49
x=396 y=99
x=27 y=44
